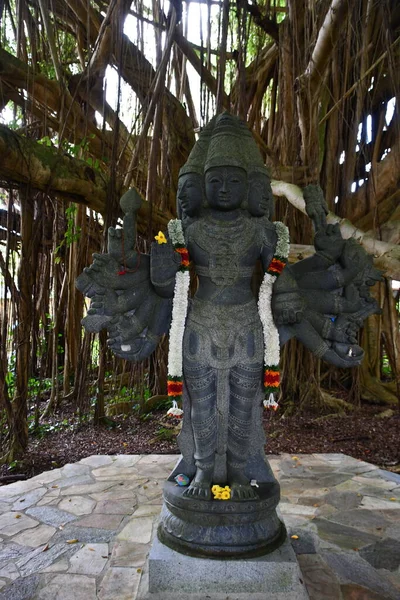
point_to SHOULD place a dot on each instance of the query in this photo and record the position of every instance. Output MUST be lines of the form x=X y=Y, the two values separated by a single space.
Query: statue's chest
x=224 y=252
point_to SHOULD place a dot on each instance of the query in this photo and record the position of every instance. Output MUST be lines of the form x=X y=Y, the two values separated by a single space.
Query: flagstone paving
x=83 y=532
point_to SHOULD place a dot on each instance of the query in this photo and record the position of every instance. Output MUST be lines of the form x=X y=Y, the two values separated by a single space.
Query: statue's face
x=226 y=187
x=260 y=199
x=190 y=193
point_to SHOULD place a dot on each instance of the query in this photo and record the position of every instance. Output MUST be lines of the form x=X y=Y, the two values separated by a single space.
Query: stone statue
x=223 y=345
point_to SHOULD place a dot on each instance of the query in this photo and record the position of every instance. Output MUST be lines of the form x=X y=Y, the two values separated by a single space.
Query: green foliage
x=72 y=233
x=164 y=434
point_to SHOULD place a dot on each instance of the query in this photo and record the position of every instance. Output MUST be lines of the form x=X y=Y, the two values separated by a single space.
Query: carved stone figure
x=225 y=204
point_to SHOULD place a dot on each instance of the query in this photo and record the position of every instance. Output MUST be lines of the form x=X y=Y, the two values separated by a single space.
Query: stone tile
x=349 y=486
x=74 y=470
x=112 y=472
x=12 y=523
x=116 y=507
x=119 y=582
x=12 y=551
x=357 y=592
x=159 y=459
x=384 y=554
x=89 y=489
x=10 y=571
x=77 y=505
x=333 y=479
x=147 y=510
x=137 y=530
x=118 y=492
x=59 y=566
x=287 y=508
x=40 y=558
x=21 y=589
x=377 y=504
x=367 y=520
x=343 y=500
x=351 y=568
x=18 y=488
x=87 y=535
x=89 y=560
x=345 y=537
x=375 y=482
x=5 y=507
x=126 y=460
x=389 y=476
x=50 y=515
x=306 y=542
x=68 y=587
x=29 y=499
x=97 y=460
x=75 y=481
x=35 y=537
x=49 y=501
x=100 y=521
x=129 y=554
x=48 y=476
x=319 y=579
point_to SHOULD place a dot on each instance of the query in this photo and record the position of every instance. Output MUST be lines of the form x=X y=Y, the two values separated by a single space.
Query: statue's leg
x=201 y=386
x=244 y=382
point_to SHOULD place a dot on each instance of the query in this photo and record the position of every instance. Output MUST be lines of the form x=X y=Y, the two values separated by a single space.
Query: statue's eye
x=214 y=180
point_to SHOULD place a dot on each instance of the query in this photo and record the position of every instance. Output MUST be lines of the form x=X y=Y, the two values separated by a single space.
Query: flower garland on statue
x=179 y=311
x=271 y=335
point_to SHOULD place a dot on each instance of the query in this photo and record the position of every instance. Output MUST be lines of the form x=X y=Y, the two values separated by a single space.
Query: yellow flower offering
x=161 y=239
x=221 y=493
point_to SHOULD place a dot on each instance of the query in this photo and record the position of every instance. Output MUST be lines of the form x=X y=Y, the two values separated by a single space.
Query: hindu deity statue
x=225 y=342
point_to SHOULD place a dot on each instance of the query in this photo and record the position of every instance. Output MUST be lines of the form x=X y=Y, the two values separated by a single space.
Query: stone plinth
x=219 y=529
x=172 y=575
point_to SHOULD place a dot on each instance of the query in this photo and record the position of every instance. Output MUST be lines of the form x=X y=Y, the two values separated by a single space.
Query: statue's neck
x=229 y=215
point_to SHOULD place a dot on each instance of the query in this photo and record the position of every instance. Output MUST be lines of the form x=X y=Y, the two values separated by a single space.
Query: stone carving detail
x=225 y=203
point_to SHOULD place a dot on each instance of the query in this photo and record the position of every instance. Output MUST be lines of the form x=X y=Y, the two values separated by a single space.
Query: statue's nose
x=224 y=187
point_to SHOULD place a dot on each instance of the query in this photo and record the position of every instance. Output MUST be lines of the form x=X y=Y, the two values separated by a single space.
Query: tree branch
x=387 y=256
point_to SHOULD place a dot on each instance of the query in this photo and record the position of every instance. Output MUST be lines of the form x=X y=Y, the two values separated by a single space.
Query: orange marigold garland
x=271 y=335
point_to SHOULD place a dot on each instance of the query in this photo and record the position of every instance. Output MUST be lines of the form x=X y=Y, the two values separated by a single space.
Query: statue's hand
x=329 y=242
x=316 y=206
x=345 y=329
x=164 y=264
x=287 y=308
x=104 y=270
x=104 y=304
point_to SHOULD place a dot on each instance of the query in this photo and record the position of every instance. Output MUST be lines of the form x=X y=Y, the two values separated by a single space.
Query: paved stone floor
x=84 y=531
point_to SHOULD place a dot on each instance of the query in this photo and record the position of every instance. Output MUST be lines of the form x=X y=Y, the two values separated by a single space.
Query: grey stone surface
x=350 y=568
x=383 y=555
x=29 y=499
x=51 y=516
x=274 y=573
x=40 y=558
x=14 y=522
x=68 y=587
x=328 y=570
x=21 y=589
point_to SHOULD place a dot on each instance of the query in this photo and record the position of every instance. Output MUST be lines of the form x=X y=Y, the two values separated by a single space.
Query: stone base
x=217 y=529
x=171 y=576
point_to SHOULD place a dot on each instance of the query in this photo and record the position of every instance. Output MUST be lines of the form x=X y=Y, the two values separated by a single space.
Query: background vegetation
x=99 y=96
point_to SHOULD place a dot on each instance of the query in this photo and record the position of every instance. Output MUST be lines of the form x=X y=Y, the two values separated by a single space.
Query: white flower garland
x=179 y=311
x=271 y=335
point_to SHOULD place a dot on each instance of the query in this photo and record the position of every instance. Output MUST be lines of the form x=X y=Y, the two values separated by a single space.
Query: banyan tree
x=97 y=97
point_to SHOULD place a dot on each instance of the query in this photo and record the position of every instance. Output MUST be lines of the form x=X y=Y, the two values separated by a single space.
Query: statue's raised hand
x=164 y=264
x=316 y=206
x=328 y=242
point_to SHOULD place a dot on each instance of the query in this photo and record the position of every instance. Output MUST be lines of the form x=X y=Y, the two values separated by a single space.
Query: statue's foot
x=241 y=492
x=240 y=485
x=200 y=486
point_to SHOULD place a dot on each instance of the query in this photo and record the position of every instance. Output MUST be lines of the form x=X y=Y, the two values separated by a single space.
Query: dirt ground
x=363 y=434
